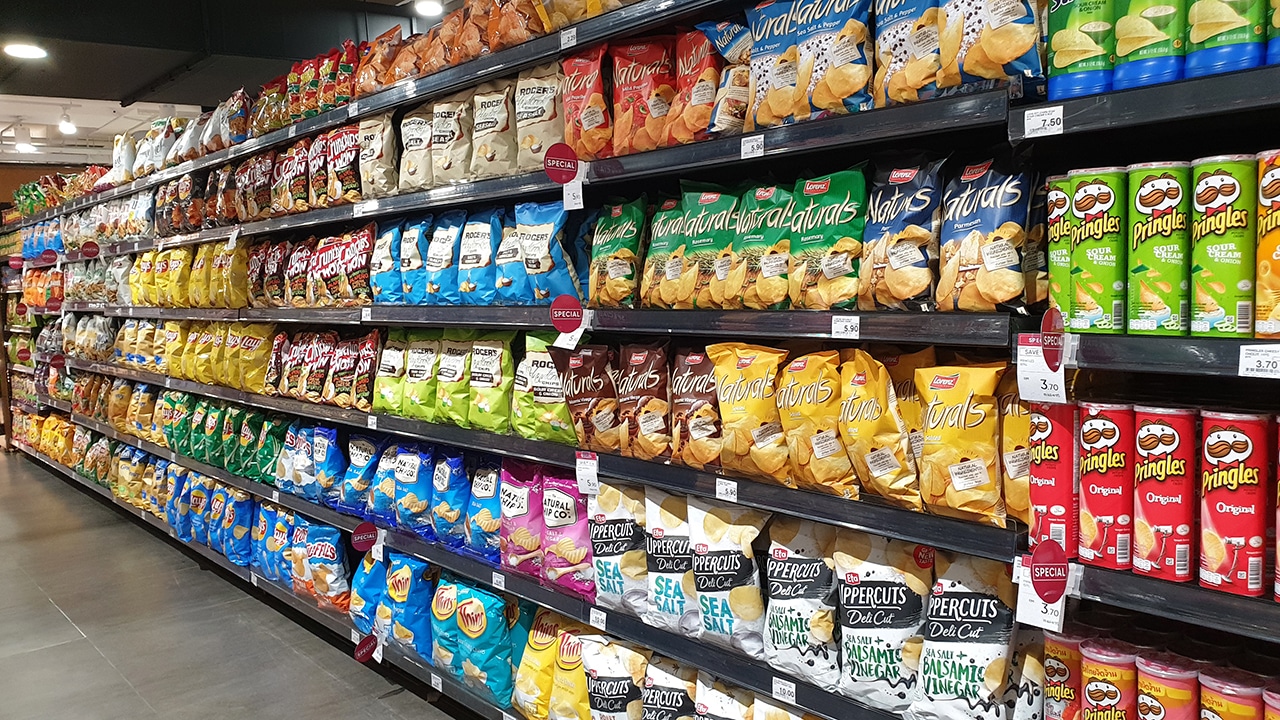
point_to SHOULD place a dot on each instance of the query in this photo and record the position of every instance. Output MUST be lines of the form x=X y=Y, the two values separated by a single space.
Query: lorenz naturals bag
x=968 y=631
x=615 y=255
x=762 y=249
x=900 y=241
x=874 y=432
x=695 y=410
x=902 y=370
x=826 y=240
x=710 y=219
x=666 y=245
x=753 y=441
x=960 y=461
x=1015 y=452
x=808 y=399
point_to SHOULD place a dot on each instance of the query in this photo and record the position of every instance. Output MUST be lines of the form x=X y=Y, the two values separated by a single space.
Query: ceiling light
x=429 y=8
x=25 y=51
x=65 y=126
x=22 y=140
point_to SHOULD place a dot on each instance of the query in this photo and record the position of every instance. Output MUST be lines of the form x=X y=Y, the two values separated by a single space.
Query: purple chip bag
x=566 y=538
x=521 y=539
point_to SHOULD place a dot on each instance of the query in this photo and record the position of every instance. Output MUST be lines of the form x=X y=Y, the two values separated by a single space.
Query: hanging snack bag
x=801 y=620
x=753 y=441
x=618 y=547
x=826 y=240
x=774 y=66
x=493 y=129
x=478 y=248
x=644 y=401
x=673 y=600
x=587 y=124
x=615 y=255
x=539 y=114
x=983 y=236
x=442 y=259
x=808 y=401
x=587 y=376
x=540 y=228
x=491 y=378
x=900 y=241
x=484 y=511
x=451 y=138
x=415 y=155
x=874 y=432
x=521 y=539
x=725 y=574
x=415 y=242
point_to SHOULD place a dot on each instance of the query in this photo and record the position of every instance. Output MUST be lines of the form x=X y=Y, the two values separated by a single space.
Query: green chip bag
x=270 y=443
x=388 y=384
x=246 y=443
x=710 y=223
x=666 y=244
x=538 y=408
x=615 y=255
x=422 y=360
x=178 y=428
x=492 y=374
x=826 y=240
x=213 y=453
x=195 y=444
x=453 y=377
x=762 y=251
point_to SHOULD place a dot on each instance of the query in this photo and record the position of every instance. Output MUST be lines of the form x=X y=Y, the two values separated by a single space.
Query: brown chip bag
x=296 y=272
x=587 y=375
x=808 y=401
x=342 y=374
x=874 y=432
x=695 y=411
x=643 y=401
x=317 y=357
x=753 y=439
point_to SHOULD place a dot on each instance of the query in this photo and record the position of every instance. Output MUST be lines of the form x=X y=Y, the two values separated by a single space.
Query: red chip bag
x=328 y=76
x=318 y=172
x=316 y=358
x=295 y=272
x=276 y=365
x=293 y=90
x=257 y=266
x=587 y=127
x=357 y=249
x=644 y=86
x=370 y=348
x=344 y=165
x=275 y=289
x=347 y=62
x=697 y=78
x=261 y=180
x=323 y=273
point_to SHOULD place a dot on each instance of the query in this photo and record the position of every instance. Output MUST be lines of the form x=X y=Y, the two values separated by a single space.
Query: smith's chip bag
x=566 y=540
x=666 y=243
x=775 y=66
x=834 y=42
x=826 y=240
x=538 y=407
x=695 y=410
x=492 y=376
x=644 y=402
x=493 y=137
x=617 y=671
x=900 y=241
x=762 y=250
x=521 y=539
x=540 y=230
x=587 y=376
x=615 y=255
x=710 y=219
x=808 y=399
x=800 y=625
x=618 y=547
x=753 y=441
x=983 y=237
x=874 y=432
x=673 y=600
x=478 y=250
x=726 y=576
x=442 y=259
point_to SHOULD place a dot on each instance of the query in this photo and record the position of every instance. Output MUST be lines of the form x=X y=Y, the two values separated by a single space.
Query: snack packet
x=874 y=432
x=808 y=401
x=587 y=375
x=521 y=539
x=450 y=493
x=900 y=241
x=673 y=603
x=413 y=473
x=538 y=407
x=567 y=563
x=644 y=401
x=491 y=378
x=753 y=441
x=826 y=241
x=587 y=126
x=801 y=619
x=726 y=577
x=484 y=511
x=442 y=259
x=695 y=411
x=615 y=255
x=478 y=249
x=453 y=377
x=644 y=87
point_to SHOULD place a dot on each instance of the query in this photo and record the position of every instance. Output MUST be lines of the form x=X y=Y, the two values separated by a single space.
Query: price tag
x=364 y=208
x=376 y=550
x=353 y=108
x=235 y=235
x=275 y=496
x=846 y=327
x=588 y=470
x=371 y=422
x=254 y=580
x=598 y=619
x=570 y=340
x=1042 y=121
x=573 y=194
x=726 y=490
x=366 y=314
x=784 y=690
x=436 y=683
x=355 y=635
x=508 y=716
x=1031 y=609
x=1259 y=361
x=568 y=38
x=293 y=130
x=1036 y=382
x=499 y=581
x=377 y=652
x=752 y=147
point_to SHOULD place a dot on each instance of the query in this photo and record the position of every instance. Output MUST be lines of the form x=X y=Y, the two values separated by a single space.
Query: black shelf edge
x=53 y=402
x=1165 y=355
x=26 y=406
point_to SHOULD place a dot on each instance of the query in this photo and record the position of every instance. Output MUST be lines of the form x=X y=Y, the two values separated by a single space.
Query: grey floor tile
x=71 y=680
x=37 y=625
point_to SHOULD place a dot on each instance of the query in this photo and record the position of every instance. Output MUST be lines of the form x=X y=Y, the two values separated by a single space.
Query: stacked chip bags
x=643 y=91
x=422 y=356
x=587 y=124
x=983 y=236
x=450 y=493
x=673 y=600
x=666 y=243
x=569 y=697
x=808 y=399
x=907 y=52
x=388 y=384
x=521 y=538
x=444 y=624
x=717 y=700
x=835 y=46
x=491 y=378
x=484 y=511
x=775 y=61
x=725 y=574
x=874 y=432
x=882 y=589
x=331 y=464
x=326 y=560
x=762 y=250
x=540 y=228
x=982 y=48
x=381 y=505
x=695 y=410
x=413 y=473
x=615 y=255
x=617 y=527
x=617 y=670
x=800 y=624
x=408 y=603
x=484 y=645
x=362 y=454
x=960 y=460
x=900 y=241
x=697 y=77
x=669 y=689
x=477 y=273
x=826 y=240
x=566 y=538
x=968 y=631
x=538 y=407
x=534 y=675
x=644 y=401
x=1015 y=448
x=753 y=441
x=368 y=588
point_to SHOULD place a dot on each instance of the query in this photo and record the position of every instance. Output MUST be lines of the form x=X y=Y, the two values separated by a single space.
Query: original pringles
x=1055 y=482
x=1098 y=249
x=1082 y=47
x=1108 y=680
x=1235 y=488
x=1223 y=245
x=1267 y=285
x=1164 y=494
x=1159 y=217
x=1106 y=484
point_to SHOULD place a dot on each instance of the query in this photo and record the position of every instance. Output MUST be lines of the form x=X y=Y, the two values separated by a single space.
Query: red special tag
x=560 y=163
x=89 y=250
x=1049 y=571
x=364 y=536
x=1051 y=338
x=364 y=648
x=15 y=262
x=566 y=313
x=48 y=256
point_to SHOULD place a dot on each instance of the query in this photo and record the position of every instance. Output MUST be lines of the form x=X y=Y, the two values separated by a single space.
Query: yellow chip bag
x=752 y=439
x=874 y=432
x=160 y=276
x=126 y=342
x=175 y=343
x=198 y=289
x=208 y=354
x=902 y=370
x=960 y=462
x=229 y=366
x=189 y=351
x=1015 y=444
x=141 y=274
x=808 y=401
x=179 y=275
x=144 y=345
x=255 y=356
x=534 y=677
x=234 y=269
x=569 y=682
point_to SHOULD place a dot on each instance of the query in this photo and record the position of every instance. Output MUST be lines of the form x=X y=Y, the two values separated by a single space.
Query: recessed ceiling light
x=65 y=126
x=25 y=51
x=429 y=8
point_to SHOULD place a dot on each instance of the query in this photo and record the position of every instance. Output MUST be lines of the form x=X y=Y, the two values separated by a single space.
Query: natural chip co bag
x=673 y=601
x=643 y=401
x=762 y=249
x=539 y=115
x=835 y=57
x=753 y=441
x=695 y=410
x=900 y=241
x=615 y=677
x=644 y=86
x=808 y=399
x=826 y=240
x=960 y=460
x=774 y=65
x=800 y=623
x=907 y=57
x=968 y=631
x=521 y=539
x=666 y=243
x=617 y=547
x=484 y=511
x=725 y=574
x=492 y=375
x=882 y=587
x=615 y=255
x=874 y=432
x=587 y=126
x=566 y=564
x=710 y=218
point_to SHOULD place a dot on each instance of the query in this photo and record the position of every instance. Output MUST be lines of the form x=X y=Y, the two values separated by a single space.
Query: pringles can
x=1224 y=36
x=1231 y=694
x=1235 y=492
x=1150 y=42
x=1098 y=249
x=1106 y=484
x=1055 y=484
x=1164 y=496
x=1267 y=295
x=1159 y=247
x=1168 y=687
x=1223 y=244
x=1082 y=46
x=1109 y=679
x=1058 y=225
x=1062 y=671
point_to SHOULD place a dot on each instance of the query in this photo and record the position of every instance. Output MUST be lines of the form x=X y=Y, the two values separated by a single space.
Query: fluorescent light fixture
x=65 y=126
x=22 y=140
x=25 y=51
x=429 y=8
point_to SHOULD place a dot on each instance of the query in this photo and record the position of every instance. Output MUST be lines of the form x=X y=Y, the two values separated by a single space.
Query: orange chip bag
x=874 y=432
x=587 y=126
x=643 y=90
x=697 y=78
x=808 y=401
x=752 y=438
x=1015 y=444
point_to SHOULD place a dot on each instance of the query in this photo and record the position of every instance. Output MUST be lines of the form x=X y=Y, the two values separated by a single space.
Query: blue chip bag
x=217 y=506
x=237 y=521
x=284 y=475
x=368 y=588
x=520 y=615
x=304 y=465
x=835 y=40
x=327 y=567
x=278 y=564
x=382 y=496
x=161 y=476
x=541 y=230
x=353 y=495
x=512 y=280
x=989 y=32
x=442 y=259
x=177 y=510
x=330 y=464
x=409 y=598
x=413 y=489
x=731 y=39
x=584 y=234
x=484 y=645
x=477 y=275
x=484 y=510
x=774 y=65
x=384 y=265
x=201 y=489
x=299 y=568
x=444 y=625
x=414 y=240
x=263 y=527
x=900 y=240
x=450 y=494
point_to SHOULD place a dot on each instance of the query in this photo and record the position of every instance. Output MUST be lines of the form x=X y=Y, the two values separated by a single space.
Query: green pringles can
x=1150 y=42
x=1224 y=240
x=1058 y=211
x=1082 y=47
x=1098 y=249
x=1159 y=248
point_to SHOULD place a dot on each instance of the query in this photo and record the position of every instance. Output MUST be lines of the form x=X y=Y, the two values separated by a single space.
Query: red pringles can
x=1235 y=491
x=1055 y=485
x=1106 y=484
x=1164 y=496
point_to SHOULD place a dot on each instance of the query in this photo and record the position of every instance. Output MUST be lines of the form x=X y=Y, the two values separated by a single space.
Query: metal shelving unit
x=1171 y=355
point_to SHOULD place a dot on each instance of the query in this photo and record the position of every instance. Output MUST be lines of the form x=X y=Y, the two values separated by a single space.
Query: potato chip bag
x=484 y=645
x=902 y=370
x=774 y=94
x=587 y=124
x=618 y=547
x=580 y=230
x=444 y=624
x=229 y=436
x=710 y=221
x=145 y=291
x=753 y=441
x=695 y=411
x=341 y=375
x=281 y=547
x=835 y=46
x=982 y=51
x=200 y=283
x=363 y=452
x=217 y=507
x=900 y=241
x=521 y=538
x=451 y=146
x=968 y=632
x=616 y=669
x=727 y=579
x=354 y=267
x=385 y=280
x=388 y=385
x=453 y=377
x=201 y=489
x=381 y=505
x=240 y=462
x=644 y=87
x=450 y=493
x=178 y=276
x=669 y=689
x=285 y=477
x=566 y=539
x=413 y=476
x=800 y=623
x=237 y=522
x=415 y=155
x=826 y=240
x=538 y=407
x=757 y=270
x=587 y=376
x=569 y=697
x=368 y=590
x=409 y=602
x=539 y=114
x=808 y=399
x=1025 y=690
x=160 y=276
x=511 y=276
x=318 y=357
x=264 y=524
x=323 y=272
x=615 y=255
x=483 y=520
x=960 y=462
x=983 y=237
x=1015 y=448
x=644 y=402
x=536 y=671
x=255 y=356
x=875 y=435
x=274 y=286
x=330 y=462
x=716 y=700
x=666 y=244
x=415 y=241
x=478 y=248
x=672 y=602
x=493 y=140
x=491 y=377
x=442 y=259
x=908 y=62
x=422 y=355
x=304 y=464
x=177 y=509
x=697 y=76
x=297 y=272
x=540 y=229
x=231 y=263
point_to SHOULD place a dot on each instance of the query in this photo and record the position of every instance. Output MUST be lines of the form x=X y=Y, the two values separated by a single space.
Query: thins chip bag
x=535 y=673
x=983 y=237
x=753 y=441
x=491 y=378
x=485 y=646
x=808 y=399
x=666 y=243
x=617 y=545
x=566 y=539
x=900 y=241
x=968 y=633
x=587 y=375
x=617 y=671
x=587 y=126
x=408 y=599
x=826 y=240
x=728 y=581
x=697 y=77
x=883 y=585
x=960 y=461
x=874 y=432
x=695 y=410
x=801 y=620
x=615 y=255
x=643 y=90
x=644 y=402
x=538 y=407
x=710 y=222
x=669 y=689
x=775 y=70
x=673 y=599
x=521 y=539
x=761 y=255
x=835 y=57
x=477 y=273
x=444 y=624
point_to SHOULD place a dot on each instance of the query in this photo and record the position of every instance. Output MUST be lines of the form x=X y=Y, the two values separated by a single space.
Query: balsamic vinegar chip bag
x=717 y=700
x=617 y=546
x=968 y=631
x=615 y=255
x=753 y=441
x=644 y=403
x=538 y=408
x=477 y=253
x=669 y=689
x=762 y=249
x=710 y=221
x=491 y=378
x=695 y=410
x=983 y=237
x=673 y=600
x=453 y=377
x=800 y=623
x=615 y=677
x=422 y=357
x=666 y=244
x=826 y=240
x=875 y=435
x=882 y=587
x=808 y=398
x=587 y=376
x=726 y=576
x=900 y=241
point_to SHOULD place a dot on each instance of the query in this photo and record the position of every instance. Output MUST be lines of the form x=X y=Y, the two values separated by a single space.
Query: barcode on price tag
x=846 y=327
x=568 y=38
x=752 y=147
x=499 y=581
x=1259 y=361
x=364 y=208
x=1042 y=122
x=355 y=635
x=726 y=489
x=436 y=682
x=598 y=619
x=784 y=690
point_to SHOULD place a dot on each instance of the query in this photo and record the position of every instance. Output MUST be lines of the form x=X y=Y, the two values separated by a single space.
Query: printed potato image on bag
x=774 y=66
x=710 y=219
x=538 y=408
x=587 y=126
x=826 y=240
x=907 y=51
x=666 y=243
x=1015 y=448
x=725 y=574
x=808 y=400
x=753 y=442
x=587 y=376
x=874 y=431
x=695 y=410
x=644 y=404
x=900 y=241
x=618 y=547
x=762 y=250
x=697 y=77
x=644 y=87
x=800 y=625
x=834 y=42
x=615 y=255
x=983 y=48
x=617 y=671
x=673 y=599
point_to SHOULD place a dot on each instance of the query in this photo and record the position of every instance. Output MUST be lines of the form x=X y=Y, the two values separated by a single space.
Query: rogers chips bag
x=451 y=138
x=725 y=574
x=566 y=539
x=644 y=429
x=538 y=407
x=415 y=240
x=539 y=114
x=491 y=378
x=826 y=240
x=453 y=377
x=753 y=441
x=587 y=126
x=643 y=90
x=442 y=259
x=385 y=280
x=808 y=398
x=422 y=355
x=494 y=129
x=415 y=155
x=522 y=511
x=695 y=411
x=673 y=601
x=874 y=432
x=617 y=547
x=478 y=248
x=800 y=624
x=388 y=385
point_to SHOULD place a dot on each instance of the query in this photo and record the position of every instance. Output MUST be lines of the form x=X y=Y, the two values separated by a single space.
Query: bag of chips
x=415 y=155
x=331 y=465
x=666 y=244
x=352 y=495
x=762 y=250
x=826 y=242
x=644 y=401
x=900 y=242
x=695 y=413
x=263 y=526
x=835 y=47
x=451 y=144
x=449 y=594
x=535 y=672
x=368 y=589
x=1015 y=453
x=587 y=126
x=539 y=116
x=587 y=376
x=269 y=446
x=422 y=354
x=388 y=385
x=453 y=377
x=618 y=536
x=385 y=280
x=477 y=274
x=408 y=600
x=669 y=689
x=217 y=508
x=415 y=241
x=775 y=72
x=538 y=407
x=378 y=161
x=873 y=430
x=255 y=356
x=567 y=563
x=344 y=165
x=381 y=496
x=484 y=511
x=753 y=441
x=491 y=377
x=569 y=697
x=281 y=548
x=983 y=237
x=644 y=87
x=442 y=259
x=485 y=646
x=673 y=601
x=540 y=228
x=698 y=74
x=716 y=699
x=299 y=558
x=726 y=577
x=617 y=671
x=615 y=255
x=450 y=493
x=237 y=522
x=494 y=129
x=413 y=467
x=511 y=276
x=702 y=275
x=808 y=399
x=521 y=533
x=800 y=622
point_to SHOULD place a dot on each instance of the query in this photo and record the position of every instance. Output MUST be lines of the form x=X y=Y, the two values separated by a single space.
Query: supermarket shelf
x=25 y=406
x=1201 y=97
x=1165 y=355
x=537 y=317
x=84 y=306
x=23 y=369
x=18 y=330
x=64 y=470
x=131 y=311
x=325 y=316
x=53 y=402
x=1252 y=617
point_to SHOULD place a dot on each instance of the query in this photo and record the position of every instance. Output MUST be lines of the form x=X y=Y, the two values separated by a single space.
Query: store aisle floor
x=100 y=619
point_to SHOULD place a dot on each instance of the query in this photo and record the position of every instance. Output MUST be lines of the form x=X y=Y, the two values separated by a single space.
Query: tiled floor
x=100 y=619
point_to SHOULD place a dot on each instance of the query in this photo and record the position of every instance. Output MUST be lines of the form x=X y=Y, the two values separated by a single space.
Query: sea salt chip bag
x=484 y=511
x=617 y=516
x=673 y=604
x=615 y=677
x=726 y=576
x=800 y=622
x=450 y=493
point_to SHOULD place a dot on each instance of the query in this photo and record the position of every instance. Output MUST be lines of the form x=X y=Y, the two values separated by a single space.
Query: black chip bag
x=900 y=241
